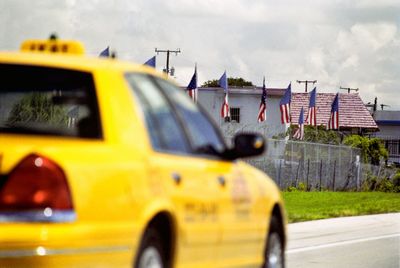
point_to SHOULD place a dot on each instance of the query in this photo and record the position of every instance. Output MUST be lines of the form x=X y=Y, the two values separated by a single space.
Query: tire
x=151 y=253
x=274 y=252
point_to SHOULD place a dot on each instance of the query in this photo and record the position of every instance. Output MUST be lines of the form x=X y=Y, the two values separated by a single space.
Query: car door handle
x=221 y=181
x=176 y=178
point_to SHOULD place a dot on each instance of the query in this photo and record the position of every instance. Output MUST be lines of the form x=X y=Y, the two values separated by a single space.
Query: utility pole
x=167 y=70
x=384 y=105
x=306 y=82
x=373 y=105
x=349 y=89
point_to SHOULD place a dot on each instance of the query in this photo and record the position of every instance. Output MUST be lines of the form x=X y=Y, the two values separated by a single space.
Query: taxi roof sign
x=53 y=45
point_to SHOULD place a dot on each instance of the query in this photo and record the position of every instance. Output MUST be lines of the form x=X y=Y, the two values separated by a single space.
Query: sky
x=339 y=43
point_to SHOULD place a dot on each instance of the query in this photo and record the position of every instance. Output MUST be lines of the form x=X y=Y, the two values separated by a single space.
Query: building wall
x=388 y=131
x=388 y=123
x=211 y=100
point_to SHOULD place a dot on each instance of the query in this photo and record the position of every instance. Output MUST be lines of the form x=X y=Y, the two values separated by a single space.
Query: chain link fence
x=310 y=166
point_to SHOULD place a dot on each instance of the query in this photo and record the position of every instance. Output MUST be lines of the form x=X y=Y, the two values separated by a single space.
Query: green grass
x=306 y=206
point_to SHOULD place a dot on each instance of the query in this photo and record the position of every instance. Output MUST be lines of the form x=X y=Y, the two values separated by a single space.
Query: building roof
x=271 y=92
x=390 y=118
x=352 y=111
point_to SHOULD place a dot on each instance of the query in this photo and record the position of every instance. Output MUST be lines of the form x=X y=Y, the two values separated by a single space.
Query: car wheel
x=274 y=254
x=151 y=253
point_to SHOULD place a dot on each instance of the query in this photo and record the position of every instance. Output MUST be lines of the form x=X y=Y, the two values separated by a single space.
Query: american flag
x=312 y=109
x=299 y=134
x=334 y=117
x=223 y=82
x=285 y=105
x=263 y=105
x=192 y=87
x=225 y=107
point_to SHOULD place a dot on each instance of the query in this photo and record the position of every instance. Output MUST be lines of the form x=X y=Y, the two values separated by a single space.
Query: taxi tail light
x=35 y=183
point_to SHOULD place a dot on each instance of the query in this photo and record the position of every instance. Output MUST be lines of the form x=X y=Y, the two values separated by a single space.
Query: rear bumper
x=42 y=215
x=67 y=257
x=67 y=245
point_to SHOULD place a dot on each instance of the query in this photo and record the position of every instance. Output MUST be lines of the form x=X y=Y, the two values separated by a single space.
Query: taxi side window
x=204 y=137
x=163 y=127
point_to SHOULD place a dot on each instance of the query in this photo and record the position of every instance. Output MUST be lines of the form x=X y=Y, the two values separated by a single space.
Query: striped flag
x=105 y=53
x=312 y=109
x=225 y=107
x=263 y=105
x=285 y=105
x=223 y=82
x=151 y=62
x=192 y=87
x=299 y=134
x=334 y=117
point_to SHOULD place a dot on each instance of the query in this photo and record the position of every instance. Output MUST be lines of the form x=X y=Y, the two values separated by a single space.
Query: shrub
x=300 y=188
x=369 y=184
x=385 y=185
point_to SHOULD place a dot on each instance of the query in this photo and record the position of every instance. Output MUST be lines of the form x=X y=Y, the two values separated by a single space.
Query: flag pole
x=197 y=80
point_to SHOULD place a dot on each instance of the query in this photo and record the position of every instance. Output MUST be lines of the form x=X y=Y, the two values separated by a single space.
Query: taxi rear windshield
x=48 y=101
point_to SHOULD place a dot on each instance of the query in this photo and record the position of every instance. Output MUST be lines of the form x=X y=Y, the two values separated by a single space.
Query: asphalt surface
x=364 y=241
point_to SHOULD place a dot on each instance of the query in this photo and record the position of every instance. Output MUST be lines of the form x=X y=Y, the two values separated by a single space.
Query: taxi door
x=234 y=194
x=177 y=176
x=242 y=219
x=186 y=183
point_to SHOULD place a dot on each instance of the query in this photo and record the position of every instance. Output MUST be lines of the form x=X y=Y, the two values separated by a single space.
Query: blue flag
x=105 y=53
x=192 y=87
x=263 y=105
x=225 y=110
x=151 y=62
x=223 y=82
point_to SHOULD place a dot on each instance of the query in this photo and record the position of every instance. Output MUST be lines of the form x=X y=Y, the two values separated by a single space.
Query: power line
x=307 y=82
x=167 y=70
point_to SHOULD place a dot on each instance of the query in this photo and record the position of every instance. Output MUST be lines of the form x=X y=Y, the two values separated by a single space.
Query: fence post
x=340 y=167
x=297 y=175
x=291 y=163
x=308 y=172
x=358 y=166
x=320 y=176
x=279 y=174
x=304 y=160
x=334 y=174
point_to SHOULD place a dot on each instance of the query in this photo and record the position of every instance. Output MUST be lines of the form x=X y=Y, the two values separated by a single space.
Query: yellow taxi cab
x=105 y=163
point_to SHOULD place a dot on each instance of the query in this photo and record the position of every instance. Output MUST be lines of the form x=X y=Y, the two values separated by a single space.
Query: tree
x=372 y=149
x=233 y=82
x=38 y=108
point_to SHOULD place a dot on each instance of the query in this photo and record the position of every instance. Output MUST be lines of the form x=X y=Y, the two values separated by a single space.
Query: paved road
x=365 y=241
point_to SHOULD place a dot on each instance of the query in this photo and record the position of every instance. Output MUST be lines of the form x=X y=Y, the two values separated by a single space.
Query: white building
x=389 y=126
x=244 y=104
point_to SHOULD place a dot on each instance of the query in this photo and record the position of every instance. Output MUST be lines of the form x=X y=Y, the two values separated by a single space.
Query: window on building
x=393 y=147
x=235 y=115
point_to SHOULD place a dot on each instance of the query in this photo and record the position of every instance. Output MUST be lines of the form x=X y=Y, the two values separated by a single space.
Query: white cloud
x=348 y=43
x=375 y=36
x=375 y=4
x=351 y=62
